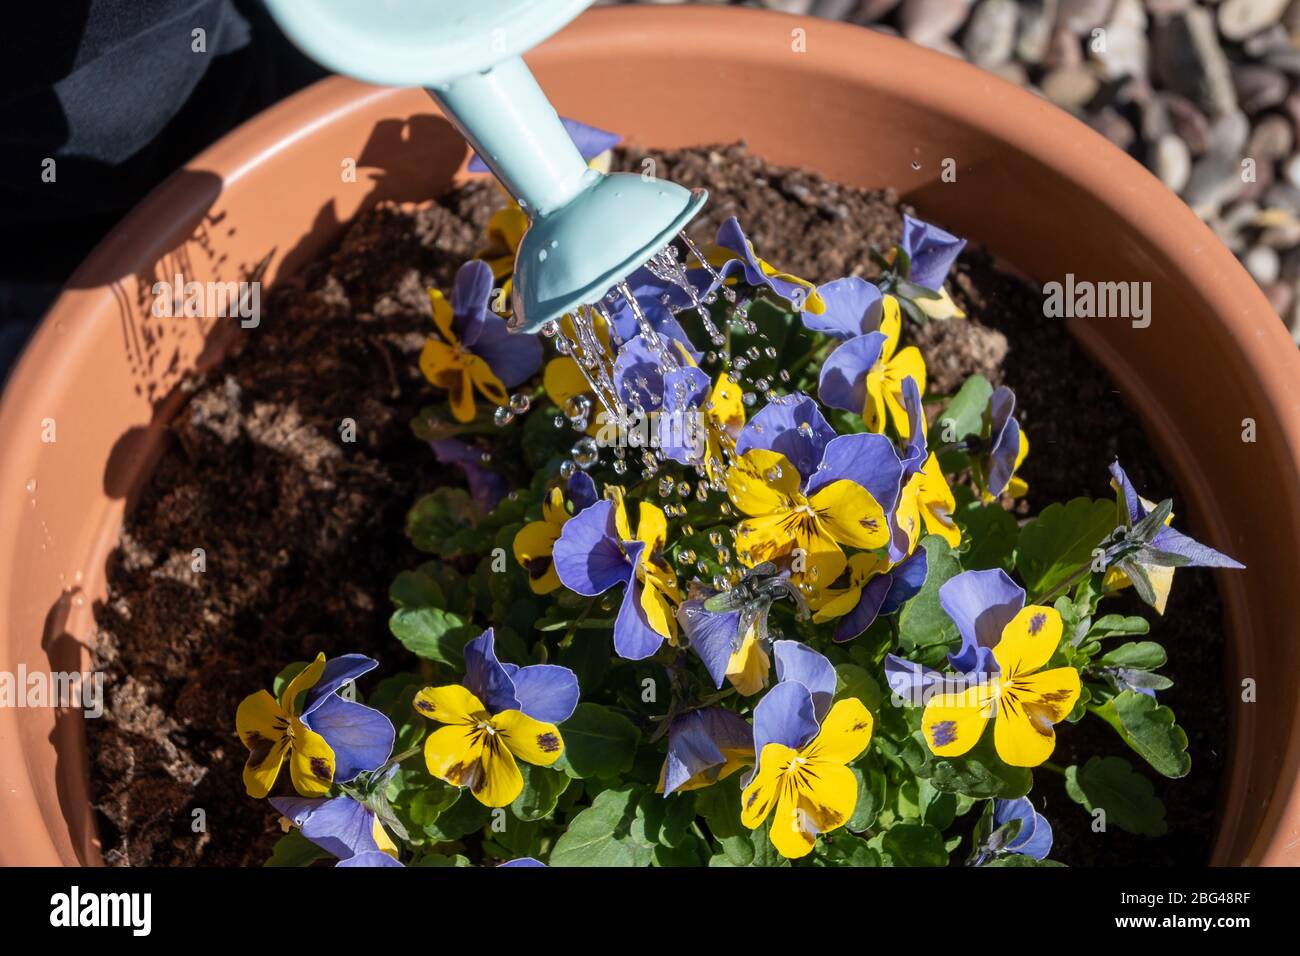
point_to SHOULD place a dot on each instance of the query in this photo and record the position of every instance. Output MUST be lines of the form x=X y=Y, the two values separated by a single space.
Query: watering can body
x=588 y=231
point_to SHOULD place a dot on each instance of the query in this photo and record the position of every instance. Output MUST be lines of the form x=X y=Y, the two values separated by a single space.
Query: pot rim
x=933 y=81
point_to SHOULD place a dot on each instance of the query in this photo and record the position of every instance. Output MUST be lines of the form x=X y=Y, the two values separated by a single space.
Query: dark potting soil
x=302 y=531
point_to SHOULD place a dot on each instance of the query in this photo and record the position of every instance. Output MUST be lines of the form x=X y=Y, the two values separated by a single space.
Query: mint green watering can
x=588 y=230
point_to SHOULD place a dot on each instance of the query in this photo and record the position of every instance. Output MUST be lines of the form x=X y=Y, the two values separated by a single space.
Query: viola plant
x=723 y=583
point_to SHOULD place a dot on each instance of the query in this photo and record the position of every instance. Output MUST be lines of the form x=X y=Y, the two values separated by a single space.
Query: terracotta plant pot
x=1036 y=187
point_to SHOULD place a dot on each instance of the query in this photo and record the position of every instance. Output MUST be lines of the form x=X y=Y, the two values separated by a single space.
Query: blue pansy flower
x=1017 y=828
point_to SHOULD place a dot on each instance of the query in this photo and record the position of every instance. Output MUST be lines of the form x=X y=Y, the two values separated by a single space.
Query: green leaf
x=601 y=835
x=765 y=853
x=922 y=623
x=856 y=682
x=294 y=849
x=871 y=797
x=964 y=415
x=692 y=851
x=720 y=807
x=1117 y=625
x=416 y=589
x=597 y=742
x=914 y=844
x=432 y=633
x=436 y=522
x=1149 y=728
x=542 y=790
x=991 y=533
x=980 y=773
x=1060 y=541
x=462 y=818
x=1140 y=655
x=1128 y=798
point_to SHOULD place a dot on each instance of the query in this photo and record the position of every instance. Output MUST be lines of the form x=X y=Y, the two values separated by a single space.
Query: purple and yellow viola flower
x=501 y=714
x=486 y=487
x=925 y=501
x=474 y=351
x=696 y=421
x=806 y=492
x=869 y=587
x=741 y=659
x=326 y=738
x=1007 y=446
x=931 y=252
x=1005 y=646
x=804 y=745
x=704 y=746
x=866 y=373
x=1187 y=552
x=342 y=826
x=523 y=861
x=597 y=551
x=535 y=541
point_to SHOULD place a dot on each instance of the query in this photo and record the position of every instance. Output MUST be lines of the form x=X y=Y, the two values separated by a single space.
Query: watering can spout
x=588 y=231
x=508 y=120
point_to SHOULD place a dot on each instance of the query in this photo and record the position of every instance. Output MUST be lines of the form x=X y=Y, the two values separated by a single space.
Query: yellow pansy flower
x=809 y=789
x=478 y=750
x=272 y=730
x=1023 y=701
x=782 y=521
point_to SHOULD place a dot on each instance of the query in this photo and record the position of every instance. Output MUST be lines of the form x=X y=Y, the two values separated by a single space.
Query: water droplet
x=685 y=557
x=665 y=487
x=31 y=486
x=550 y=328
x=567 y=469
x=541 y=255
x=585 y=452
x=916 y=164
x=520 y=403
x=503 y=416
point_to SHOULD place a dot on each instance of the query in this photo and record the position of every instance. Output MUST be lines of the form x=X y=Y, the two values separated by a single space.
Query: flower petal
x=311 y=762
x=954 y=719
x=844 y=734
x=843 y=379
x=634 y=637
x=704 y=746
x=588 y=557
x=455 y=754
x=785 y=716
x=342 y=826
x=532 y=741
x=981 y=604
x=932 y=252
x=1028 y=641
x=338 y=671
x=852 y=308
x=794 y=427
x=713 y=636
x=546 y=692
x=485 y=677
x=800 y=663
x=360 y=736
x=766 y=784
x=450 y=704
x=851 y=515
x=1023 y=731
x=501 y=780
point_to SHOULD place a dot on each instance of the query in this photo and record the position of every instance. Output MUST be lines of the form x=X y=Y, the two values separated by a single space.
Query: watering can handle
x=508 y=120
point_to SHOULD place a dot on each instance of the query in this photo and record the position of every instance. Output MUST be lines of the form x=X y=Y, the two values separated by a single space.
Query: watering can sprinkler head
x=588 y=231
